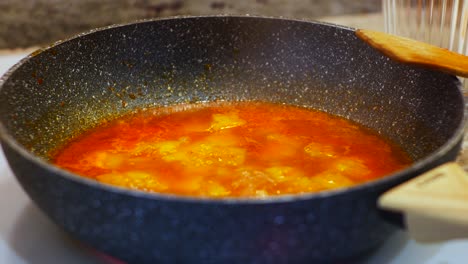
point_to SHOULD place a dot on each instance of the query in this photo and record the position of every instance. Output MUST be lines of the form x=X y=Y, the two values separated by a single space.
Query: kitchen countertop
x=42 y=21
x=28 y=236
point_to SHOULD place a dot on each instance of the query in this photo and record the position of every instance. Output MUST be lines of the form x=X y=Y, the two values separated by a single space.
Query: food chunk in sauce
x=231 y=149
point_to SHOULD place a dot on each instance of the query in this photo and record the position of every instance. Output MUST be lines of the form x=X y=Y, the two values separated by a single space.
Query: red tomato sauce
x=231 y=149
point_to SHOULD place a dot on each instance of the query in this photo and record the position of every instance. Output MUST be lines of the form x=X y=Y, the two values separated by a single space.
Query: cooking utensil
x=61 y=90
x=438 y=197
x=415 y=52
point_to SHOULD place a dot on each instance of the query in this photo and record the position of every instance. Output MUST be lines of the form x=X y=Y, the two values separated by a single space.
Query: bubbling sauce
x=231 y=149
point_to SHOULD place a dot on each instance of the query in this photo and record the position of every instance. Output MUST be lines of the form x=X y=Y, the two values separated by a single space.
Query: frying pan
x=57 y=92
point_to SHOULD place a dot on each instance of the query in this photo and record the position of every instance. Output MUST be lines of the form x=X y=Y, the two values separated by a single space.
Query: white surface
x=27 y=236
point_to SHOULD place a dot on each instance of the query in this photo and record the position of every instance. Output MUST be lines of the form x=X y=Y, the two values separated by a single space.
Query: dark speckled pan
x=70 y=86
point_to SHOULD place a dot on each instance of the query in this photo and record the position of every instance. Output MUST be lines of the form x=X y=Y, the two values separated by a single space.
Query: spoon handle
x=415 y=52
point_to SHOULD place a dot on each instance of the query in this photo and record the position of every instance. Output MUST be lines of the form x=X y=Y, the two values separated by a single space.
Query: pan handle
x=434 y=204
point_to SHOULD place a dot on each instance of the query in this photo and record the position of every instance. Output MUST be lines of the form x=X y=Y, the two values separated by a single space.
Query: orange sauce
x=231 y=149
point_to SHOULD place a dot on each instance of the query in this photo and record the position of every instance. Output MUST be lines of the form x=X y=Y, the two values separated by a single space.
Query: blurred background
x=27 y=23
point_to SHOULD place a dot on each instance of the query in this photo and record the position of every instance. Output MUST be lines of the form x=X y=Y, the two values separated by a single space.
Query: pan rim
x=7 y=138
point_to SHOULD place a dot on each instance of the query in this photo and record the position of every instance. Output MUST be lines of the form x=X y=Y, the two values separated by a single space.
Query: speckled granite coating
x=73 y=84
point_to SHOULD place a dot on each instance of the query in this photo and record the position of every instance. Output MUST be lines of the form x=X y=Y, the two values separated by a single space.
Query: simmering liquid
x=231 y=149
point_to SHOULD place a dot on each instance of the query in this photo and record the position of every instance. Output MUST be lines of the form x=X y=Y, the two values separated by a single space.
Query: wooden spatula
x=435 y=204
x=414 y=52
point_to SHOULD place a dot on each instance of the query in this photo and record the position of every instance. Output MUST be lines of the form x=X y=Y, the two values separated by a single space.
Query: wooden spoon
x=435 y=204
x=414 y=52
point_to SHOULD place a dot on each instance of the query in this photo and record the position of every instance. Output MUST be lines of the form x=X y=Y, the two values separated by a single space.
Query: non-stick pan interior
x=71 y=86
